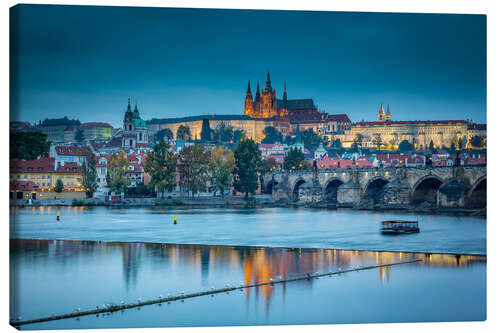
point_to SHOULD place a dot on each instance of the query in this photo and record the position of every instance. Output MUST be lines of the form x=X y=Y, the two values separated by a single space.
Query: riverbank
x=257 y=201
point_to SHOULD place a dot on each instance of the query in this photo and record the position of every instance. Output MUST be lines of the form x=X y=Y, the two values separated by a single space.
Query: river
x=99 y=255
x=288 y=227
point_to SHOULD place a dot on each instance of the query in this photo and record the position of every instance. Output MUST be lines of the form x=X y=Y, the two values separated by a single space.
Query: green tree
x=295 y=160
x=405 y=146
x=462 y=142
x=248 y=163
x=79 y=137
x=223 y=133
x=59 y=187
x=164 y=133
x=238 y=135
x=269 y=164
x=272 y=135
x=432 y=147
x=377 y=141
x=221 y=166
x=116 y=177
x=337 y=144
x=184 y=133
x=310 y=139
x=28 y=145
x=477 y=141
x=161 y=165
x=89 y=176
x=288 y=140
x=194 y=168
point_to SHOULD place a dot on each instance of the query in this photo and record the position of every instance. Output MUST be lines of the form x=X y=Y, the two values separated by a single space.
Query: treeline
x=194 y=169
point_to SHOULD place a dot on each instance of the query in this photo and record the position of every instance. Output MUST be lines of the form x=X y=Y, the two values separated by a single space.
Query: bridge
x=451 y=187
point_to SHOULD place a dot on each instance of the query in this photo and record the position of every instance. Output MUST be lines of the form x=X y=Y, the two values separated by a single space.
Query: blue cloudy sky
x=84 y=62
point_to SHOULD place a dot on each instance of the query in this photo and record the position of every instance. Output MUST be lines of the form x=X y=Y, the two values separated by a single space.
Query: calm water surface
x=340 y=229
x=53 y=277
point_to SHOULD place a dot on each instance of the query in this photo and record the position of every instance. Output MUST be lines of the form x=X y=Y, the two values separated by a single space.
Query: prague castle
x=266 y=105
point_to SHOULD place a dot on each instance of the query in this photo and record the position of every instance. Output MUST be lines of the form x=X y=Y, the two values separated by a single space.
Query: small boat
x=396 y=227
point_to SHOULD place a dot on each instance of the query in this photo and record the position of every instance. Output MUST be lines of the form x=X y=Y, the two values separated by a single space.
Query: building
x=44 y=173
x=273 y=150
x=252 y=128
x=74 y=154
x=135 y=131
x=55 y=128
x=96 y=131
x=388 y=134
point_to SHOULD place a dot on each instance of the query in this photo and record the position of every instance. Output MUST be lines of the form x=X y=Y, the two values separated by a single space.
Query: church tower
x=128 y=136
x=269 y=106
x=381 y=113
x=388 y=114
x=256 y=105
x=249 y=110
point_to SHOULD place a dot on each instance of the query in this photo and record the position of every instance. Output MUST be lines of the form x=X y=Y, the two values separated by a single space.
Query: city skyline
x=186 y=62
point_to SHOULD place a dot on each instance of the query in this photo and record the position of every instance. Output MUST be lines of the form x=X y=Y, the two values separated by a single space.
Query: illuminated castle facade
x=266 y=105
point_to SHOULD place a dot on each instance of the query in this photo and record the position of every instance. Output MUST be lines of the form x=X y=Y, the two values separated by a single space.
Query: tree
x=405 y=146
x=238 y=135
x=28 y=145
x=288 y=140
x=248 y=163
x=477 y=141
x=59 y=187
x=295 y=160
x=272 y=135
x=183 y=133
x=377 y=141
x=194 y=168
x=310 y=139
x=461 y=143
x=89 y=176
x=221 y=167
x=162 y=134
x=432 y=147
x=223 y=133
x=116 y=177
x=269 y=164
x=337 y=144
x=161 y=164
x=79 y=137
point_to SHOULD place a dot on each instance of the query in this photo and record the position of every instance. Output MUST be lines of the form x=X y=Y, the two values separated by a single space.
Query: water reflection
x=197 y=263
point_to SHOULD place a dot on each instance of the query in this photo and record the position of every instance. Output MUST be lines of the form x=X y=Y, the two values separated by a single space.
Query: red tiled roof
x=69 y=167
x=73 y=150
x=341 y=118
x=44 y=164
x=23 y=185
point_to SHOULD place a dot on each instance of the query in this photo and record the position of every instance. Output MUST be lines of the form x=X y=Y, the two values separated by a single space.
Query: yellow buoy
x=175 y=219
x=58 y=215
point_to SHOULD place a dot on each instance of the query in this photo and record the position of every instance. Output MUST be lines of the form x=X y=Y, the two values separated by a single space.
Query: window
x=129 y=127
x=48 y=184
x=40 y=169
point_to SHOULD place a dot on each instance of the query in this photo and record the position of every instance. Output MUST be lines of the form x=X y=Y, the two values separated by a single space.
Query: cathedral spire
x=248 y=89
x=387 y=114
x=284 y=93
x=257 y=94
x=268 y=83
x=128 y=106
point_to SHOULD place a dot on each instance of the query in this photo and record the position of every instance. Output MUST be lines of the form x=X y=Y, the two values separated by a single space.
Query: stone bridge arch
x=295 y=189
x=269 y=185
x=373 y=190
x=476 y=198
x=426 y=189
x=330 y=190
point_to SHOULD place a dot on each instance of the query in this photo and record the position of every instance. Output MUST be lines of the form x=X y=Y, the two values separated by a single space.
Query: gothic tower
x=269 y=106
x=381 y=113
x=249 y=110
x=388 y=114
x=256 y=105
